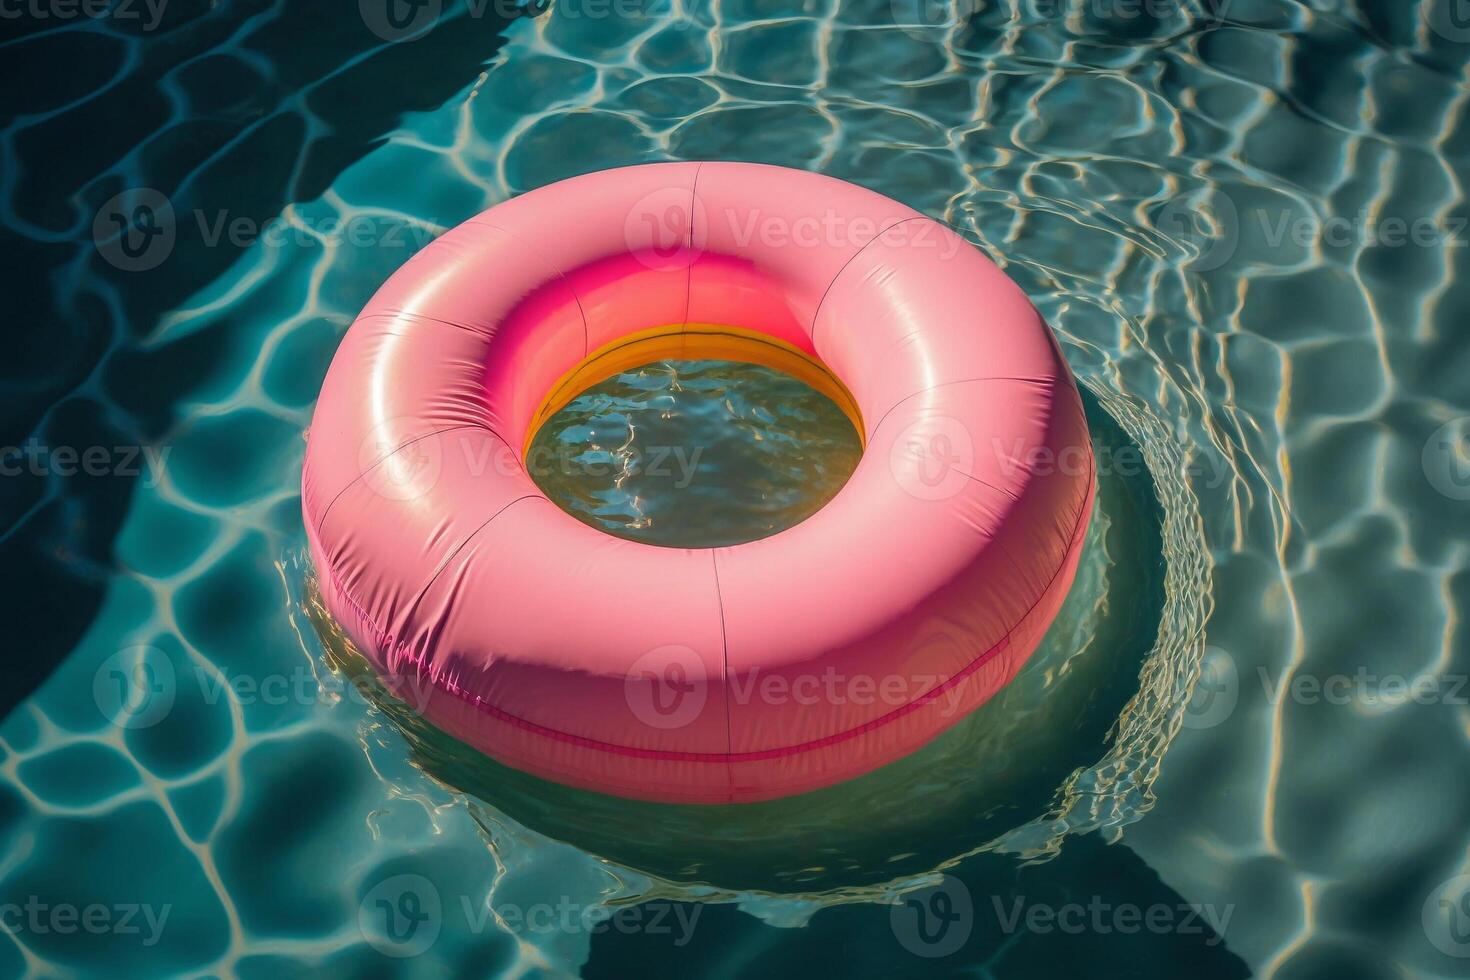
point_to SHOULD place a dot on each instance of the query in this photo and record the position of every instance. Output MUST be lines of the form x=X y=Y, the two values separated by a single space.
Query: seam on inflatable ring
x=555 y=268
x=398 y=646
x=386 y=456
x=402 y=314
x=986 y=483
x=1071 y=541
x=479 y=704
x=811 y=330
x=688 y=269
x=962 y=381
x=398 y=313
x=444 y=563
x=714 y=561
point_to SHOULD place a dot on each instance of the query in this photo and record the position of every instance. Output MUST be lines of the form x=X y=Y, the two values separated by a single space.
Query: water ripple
x=1169 y=191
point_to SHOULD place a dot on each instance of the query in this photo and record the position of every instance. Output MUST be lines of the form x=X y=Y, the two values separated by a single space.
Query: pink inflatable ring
x=698 y=675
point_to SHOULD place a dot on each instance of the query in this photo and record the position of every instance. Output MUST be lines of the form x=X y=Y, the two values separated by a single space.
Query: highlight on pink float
x=721 y=675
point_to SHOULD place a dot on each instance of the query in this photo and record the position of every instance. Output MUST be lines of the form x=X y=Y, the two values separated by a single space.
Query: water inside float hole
x=695 y=454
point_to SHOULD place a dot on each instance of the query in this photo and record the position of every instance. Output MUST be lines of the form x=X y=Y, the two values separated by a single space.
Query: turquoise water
x=1242 y=219
x=695 y=454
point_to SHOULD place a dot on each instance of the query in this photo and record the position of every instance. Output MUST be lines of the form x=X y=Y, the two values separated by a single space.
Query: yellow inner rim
x=693 y=342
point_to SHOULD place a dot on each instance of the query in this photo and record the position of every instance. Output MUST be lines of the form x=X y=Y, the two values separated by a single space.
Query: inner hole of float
x=696 y=452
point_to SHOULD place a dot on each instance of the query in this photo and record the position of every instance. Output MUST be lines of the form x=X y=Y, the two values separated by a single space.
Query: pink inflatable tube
x=697 y=675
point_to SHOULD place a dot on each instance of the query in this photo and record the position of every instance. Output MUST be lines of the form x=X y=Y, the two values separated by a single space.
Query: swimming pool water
x=695 y=454
x=1244 y=221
